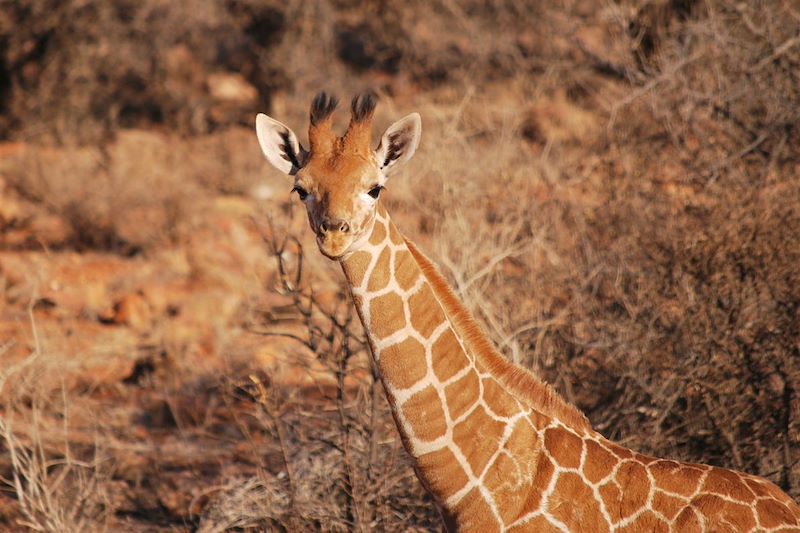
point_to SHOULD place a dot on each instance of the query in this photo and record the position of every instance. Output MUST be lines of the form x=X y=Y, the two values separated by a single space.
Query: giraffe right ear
x=399 y=142
x=279 y=145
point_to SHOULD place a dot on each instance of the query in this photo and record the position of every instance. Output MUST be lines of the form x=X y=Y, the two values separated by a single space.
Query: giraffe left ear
x=399 y=142
x=279 y=145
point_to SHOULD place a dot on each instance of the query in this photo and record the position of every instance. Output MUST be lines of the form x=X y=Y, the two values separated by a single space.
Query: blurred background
x=612 y=186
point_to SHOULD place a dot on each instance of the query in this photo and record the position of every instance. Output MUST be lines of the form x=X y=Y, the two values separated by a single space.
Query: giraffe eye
x=375 y=191
x=301 y=192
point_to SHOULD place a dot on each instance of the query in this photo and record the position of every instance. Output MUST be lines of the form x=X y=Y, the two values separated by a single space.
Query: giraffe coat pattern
x=497 y=461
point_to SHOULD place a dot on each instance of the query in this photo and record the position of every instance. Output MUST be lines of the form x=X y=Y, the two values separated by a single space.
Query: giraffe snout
x=334 y=236
x=333 y=225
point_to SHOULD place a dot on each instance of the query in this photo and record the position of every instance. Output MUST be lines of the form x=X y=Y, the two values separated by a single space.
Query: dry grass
x=614 y=195
x=59 y=484
x=139 y=193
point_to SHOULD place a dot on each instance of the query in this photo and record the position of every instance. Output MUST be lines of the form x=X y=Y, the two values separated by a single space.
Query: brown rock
x=134 y=311
x=231 y=87
x=11 y=149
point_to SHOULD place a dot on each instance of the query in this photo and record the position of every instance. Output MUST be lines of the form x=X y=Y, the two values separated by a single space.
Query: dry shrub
x=406 y=39
x=227 y=162
x=125 y=197
x=332 y=460
x=142 y=191
x=721 y=96
x=244 y=503
x=705 y=330
x=58 y=484
x=77 y=71
x=701 y=240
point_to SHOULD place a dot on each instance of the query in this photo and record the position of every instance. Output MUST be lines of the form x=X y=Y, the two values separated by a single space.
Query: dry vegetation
x=612 y=186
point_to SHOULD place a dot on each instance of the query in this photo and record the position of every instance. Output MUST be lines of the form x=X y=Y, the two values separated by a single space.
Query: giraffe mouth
x=333 y=246
x=338 y=246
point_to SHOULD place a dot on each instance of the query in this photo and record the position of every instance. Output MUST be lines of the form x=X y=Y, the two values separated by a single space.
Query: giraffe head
x=339 y=179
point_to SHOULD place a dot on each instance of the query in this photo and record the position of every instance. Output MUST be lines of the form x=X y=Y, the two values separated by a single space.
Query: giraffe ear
x=399 y=142
x=279 y=145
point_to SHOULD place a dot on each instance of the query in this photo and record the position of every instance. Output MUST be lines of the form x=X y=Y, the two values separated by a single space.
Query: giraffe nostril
x=334 y=225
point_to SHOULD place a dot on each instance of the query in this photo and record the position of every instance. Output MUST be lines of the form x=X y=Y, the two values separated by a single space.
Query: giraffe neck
x=497 y=449
x=439 y=373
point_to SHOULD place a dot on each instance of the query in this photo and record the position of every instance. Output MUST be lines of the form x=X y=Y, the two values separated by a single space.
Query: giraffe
x=496 y=447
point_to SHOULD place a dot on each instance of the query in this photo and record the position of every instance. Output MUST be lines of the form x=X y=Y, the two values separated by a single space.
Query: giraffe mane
x=523 y=383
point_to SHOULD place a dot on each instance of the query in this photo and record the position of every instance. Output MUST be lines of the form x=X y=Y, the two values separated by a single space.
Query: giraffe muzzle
x=334 y=226
x=334 y=239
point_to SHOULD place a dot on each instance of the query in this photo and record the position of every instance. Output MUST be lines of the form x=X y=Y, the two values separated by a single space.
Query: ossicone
x=359 y=132
x=322 y=107
x=320 y=134
x=363 y=106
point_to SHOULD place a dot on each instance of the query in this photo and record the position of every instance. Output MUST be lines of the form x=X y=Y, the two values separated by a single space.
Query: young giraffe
x=496 y=447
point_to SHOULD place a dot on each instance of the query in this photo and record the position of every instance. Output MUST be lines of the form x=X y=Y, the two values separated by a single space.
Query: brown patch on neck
x=355 y=266
x=378 y=234
x=521 y=382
